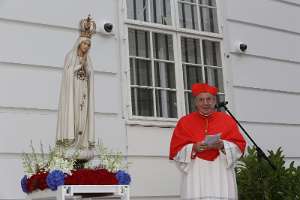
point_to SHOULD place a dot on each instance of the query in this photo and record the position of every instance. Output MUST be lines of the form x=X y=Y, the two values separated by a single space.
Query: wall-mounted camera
x=106 y=28
x=241 y=47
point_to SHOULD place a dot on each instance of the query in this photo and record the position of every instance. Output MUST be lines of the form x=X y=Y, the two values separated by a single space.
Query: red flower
x=42 y=181
x=78 y=177
x=37 y=181
x=91 y=177
x=32 y=183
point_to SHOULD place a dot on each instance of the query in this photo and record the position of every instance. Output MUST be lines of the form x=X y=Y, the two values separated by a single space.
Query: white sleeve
x=233 y=153
x=183 y=158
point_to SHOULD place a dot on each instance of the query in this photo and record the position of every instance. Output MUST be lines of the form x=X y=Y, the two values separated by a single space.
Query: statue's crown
x=87 y=27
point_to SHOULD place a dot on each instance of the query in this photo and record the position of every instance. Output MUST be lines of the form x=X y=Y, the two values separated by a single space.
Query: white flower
x=55 y=160
x=110 y=160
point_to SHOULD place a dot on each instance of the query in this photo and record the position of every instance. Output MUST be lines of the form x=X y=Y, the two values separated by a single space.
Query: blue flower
x=123 y=177
x=24 y=181
x=55 y=179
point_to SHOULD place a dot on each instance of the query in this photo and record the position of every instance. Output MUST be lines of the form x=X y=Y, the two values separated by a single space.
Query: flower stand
x=81 y=191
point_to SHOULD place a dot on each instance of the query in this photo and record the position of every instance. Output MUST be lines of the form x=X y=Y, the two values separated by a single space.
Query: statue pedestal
x=82 y=191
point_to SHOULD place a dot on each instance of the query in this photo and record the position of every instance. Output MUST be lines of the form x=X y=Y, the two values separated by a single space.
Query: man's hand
x=199 y=146
x=217 y=145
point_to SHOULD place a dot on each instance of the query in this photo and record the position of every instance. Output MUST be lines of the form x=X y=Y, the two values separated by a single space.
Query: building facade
x=143 y=72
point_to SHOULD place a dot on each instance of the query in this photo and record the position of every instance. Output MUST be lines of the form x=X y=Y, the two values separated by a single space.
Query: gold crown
x=87 y=27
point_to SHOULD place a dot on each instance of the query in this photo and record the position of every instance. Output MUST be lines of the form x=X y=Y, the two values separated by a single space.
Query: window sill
x=152 y=122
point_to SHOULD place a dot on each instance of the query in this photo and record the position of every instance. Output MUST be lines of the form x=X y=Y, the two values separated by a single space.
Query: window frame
x=201 y=38
x=129 y=104
x=177 y=32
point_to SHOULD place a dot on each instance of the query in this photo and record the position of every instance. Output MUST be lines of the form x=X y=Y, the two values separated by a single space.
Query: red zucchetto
x=198 y=88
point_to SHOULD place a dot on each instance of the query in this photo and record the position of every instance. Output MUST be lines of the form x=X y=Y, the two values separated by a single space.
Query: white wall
x=35 y=37
x=265 y=83
x=153 y=174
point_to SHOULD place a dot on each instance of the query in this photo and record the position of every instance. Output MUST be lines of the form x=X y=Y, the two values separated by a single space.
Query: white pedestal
x=85 y=191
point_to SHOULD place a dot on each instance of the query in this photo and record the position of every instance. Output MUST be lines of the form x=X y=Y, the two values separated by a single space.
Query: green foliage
x=257 y=180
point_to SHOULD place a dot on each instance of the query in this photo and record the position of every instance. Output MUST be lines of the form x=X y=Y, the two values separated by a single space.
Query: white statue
x=75 y=125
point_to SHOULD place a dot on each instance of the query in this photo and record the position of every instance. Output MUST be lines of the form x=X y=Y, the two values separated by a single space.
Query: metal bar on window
x=198 y=17
x=134 y=99
x=156 y=45
x=156 y=68
x=139 y=103
x=192 y=64
x=214 y=53
x=154 y=11
x=152 y=87
x=140 y=58
x=198 y=75
x=164 y=12
x=197 y=4
x=134 y=10
x=168 y=75
x=195 y=50
x=136 y=42
x=183 y=15
x=216 y=75
x=210 y=3
x=211 y=20
x=162 y=60
x=144 y=10
x=202 y=18
x=146 y=44
x=204 y=52
x=153 y=74
x=206 y=6
x=148 y=72
x=149 y=9
x=167 y=47
x=215 y=67
x=137 y=69
x=184 y=76
x=186 y=49
x=193 y=17
x=188 y=2
x=132 y=67
x=203 y=58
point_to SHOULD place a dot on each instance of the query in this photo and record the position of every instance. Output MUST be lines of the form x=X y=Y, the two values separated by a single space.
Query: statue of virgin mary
x=75 y=125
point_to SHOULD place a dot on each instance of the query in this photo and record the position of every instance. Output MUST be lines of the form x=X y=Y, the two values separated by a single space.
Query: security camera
x=241 y=47
x=107 y=28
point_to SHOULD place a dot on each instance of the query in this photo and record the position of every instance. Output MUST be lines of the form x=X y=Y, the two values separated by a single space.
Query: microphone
x=221 y=104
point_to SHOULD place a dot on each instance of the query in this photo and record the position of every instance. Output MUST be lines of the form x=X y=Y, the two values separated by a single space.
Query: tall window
x=201 y=63
x=156 y=11
x=152 y=74
x=155 y=64
x=198 y=15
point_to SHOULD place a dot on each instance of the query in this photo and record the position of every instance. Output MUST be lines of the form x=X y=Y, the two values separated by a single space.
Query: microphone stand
x=260 y=152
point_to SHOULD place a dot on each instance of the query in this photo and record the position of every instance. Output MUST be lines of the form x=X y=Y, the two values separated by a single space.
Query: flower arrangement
x=51 y=170
x=35 y=163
